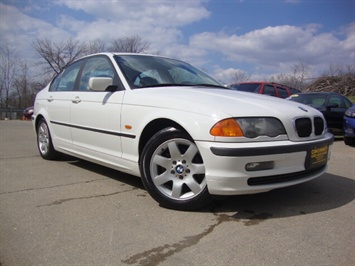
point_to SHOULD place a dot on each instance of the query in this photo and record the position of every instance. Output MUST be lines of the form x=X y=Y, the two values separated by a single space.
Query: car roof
x=122 y=53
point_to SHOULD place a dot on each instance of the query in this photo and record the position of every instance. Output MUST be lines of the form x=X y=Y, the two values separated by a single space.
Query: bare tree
x=55 y=56
x=23 y=93
x=8 y=68
x=340 y=70
x=239 y=76
x=96 y=46
x=339 y=78
x=133 y=44
x=301 y=73
x=284 y=79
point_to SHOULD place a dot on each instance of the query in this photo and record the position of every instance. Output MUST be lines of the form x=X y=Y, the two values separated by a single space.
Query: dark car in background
x=349 y=126
x=27 y=113
x=332 y=105
x=266 y=88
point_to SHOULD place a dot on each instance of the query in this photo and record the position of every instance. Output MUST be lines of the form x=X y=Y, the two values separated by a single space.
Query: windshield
x=249 y=87
x=309 y=99
x=152 y=71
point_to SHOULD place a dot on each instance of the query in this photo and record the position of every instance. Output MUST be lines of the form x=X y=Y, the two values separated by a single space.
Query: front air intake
x=318 y=126
x=303 y=127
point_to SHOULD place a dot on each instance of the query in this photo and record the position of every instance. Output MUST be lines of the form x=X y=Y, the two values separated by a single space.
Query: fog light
x=258 y=166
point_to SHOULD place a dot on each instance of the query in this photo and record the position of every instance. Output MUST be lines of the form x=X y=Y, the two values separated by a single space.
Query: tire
x=349 y=141
x=173 y=172
x=44 y=141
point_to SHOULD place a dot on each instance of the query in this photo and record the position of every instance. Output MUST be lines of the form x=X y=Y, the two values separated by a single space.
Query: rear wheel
x=173 y=171
x=44 y=141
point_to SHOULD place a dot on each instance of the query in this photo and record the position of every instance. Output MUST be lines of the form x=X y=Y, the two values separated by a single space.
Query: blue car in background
x=349 y=126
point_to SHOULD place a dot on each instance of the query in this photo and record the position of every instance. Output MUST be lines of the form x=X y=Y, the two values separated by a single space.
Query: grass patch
x=351 y=98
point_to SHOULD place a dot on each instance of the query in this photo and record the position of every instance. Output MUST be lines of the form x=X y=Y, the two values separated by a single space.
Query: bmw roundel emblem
x=180 y=169
x=303 y=109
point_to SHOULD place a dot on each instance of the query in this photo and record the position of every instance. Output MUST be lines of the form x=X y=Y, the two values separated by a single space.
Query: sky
x=261 y=38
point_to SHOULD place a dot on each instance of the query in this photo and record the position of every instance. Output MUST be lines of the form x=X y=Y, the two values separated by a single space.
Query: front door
x=95 y=115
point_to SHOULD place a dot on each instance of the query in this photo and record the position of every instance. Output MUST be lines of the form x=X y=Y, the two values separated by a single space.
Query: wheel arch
x=153 y=127
x=38 y=118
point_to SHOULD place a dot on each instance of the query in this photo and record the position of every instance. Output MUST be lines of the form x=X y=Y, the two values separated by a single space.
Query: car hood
x=217 y=102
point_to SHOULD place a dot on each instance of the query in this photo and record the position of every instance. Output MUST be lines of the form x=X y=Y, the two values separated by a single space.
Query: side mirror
x=100 y=83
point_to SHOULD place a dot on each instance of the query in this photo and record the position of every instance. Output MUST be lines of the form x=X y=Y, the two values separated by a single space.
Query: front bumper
x=349 y=127
x=293 y=163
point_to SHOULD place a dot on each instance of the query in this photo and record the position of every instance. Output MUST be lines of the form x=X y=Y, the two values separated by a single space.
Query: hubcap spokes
x=177 y=169
x=43 y=139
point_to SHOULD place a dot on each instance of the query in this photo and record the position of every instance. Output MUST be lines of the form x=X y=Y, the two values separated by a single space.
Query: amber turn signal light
x=226 y=128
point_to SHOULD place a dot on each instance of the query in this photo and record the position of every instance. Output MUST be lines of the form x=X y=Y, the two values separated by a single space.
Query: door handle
x=50 y=99
x=76 y=100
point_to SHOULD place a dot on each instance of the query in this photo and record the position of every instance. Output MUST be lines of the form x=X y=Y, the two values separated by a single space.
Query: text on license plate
x=318 y=156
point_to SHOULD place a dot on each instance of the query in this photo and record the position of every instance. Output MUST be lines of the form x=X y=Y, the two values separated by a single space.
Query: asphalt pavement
x=72 y=212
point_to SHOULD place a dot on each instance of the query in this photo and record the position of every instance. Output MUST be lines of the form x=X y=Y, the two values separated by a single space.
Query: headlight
x=350 y=113
x=250 y=127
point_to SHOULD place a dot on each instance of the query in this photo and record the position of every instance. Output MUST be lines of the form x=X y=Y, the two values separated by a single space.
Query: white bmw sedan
x=185 y=134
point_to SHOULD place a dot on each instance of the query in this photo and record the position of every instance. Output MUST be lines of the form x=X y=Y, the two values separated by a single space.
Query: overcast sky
x=260 y=37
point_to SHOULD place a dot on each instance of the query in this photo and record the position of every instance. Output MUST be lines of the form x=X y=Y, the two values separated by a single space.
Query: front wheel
x=349 y=141
x=173 y=171
x=44 y=141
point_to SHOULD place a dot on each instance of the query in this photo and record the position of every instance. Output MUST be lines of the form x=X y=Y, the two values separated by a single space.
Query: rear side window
x=66 y=80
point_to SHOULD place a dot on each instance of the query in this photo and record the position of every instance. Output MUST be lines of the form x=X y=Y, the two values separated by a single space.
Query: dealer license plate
x=318 y=156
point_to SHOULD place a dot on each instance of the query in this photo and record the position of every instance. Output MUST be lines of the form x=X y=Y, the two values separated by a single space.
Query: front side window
x=66 y=80
x=335 y=100
x=96 y=67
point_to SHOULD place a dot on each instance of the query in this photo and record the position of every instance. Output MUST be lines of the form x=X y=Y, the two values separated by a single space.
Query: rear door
x=59 y=101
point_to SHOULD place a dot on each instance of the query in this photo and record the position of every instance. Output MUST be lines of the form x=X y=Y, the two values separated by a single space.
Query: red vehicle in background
x=266 y=88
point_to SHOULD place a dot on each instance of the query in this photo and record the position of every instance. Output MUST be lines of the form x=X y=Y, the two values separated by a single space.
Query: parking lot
x=72 y=212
